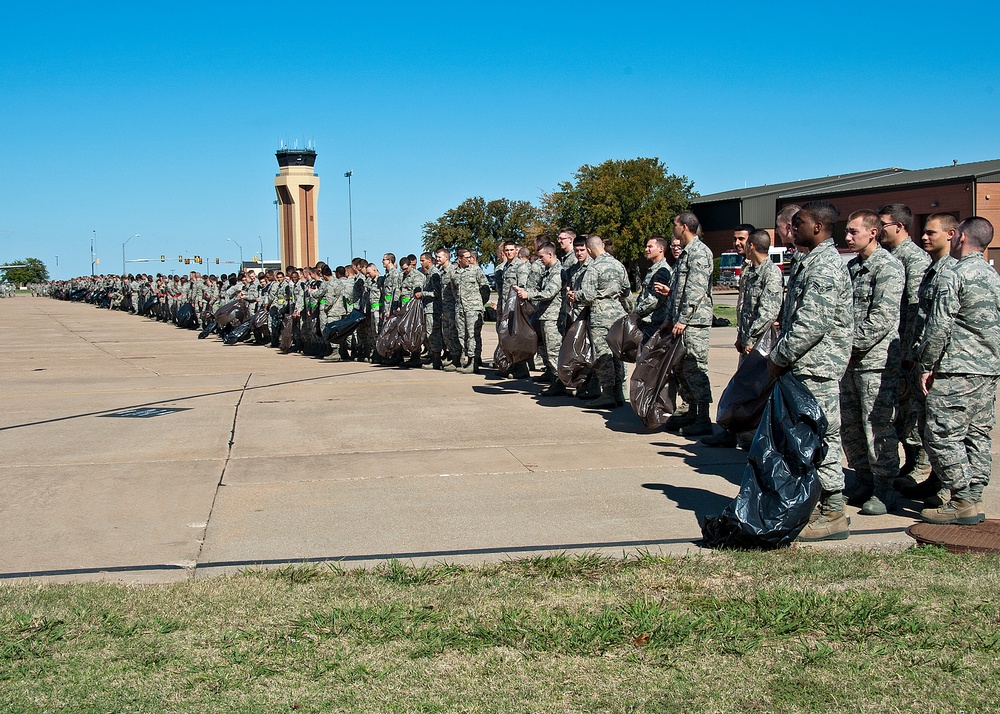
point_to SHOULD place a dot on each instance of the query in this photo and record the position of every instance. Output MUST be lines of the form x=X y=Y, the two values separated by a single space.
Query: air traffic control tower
x=297 y=186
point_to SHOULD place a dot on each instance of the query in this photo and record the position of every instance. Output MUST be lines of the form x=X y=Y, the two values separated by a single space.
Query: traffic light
x=180 y=258
x=197 y=259
x=187 y=261
x=216 y=261
x=256 y=259
x=163 y=259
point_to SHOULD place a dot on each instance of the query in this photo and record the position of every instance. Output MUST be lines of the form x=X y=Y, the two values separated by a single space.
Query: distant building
x=961 y=189
x=297 y=186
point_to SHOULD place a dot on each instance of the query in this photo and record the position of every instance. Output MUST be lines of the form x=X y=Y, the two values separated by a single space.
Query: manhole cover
x=981 y=538
x=144 y=413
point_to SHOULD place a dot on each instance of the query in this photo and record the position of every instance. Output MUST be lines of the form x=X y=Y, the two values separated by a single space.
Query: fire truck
x=731 y=265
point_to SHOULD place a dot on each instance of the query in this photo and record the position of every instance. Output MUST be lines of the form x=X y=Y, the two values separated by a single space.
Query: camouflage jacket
x=915 y=261
x=448 y=295
x=650 y=305
x=602 y=288
x=392 y=281
x=430 y=294
x=548 y=296
x=498 y=277
x=962 y=332
x=535 y=272
x=935 y=274
x=816 y=322
x=574 y=281
x=411 y=283
x=467 y=283
x=760 y=301
x=878 y=283
x=691 y=290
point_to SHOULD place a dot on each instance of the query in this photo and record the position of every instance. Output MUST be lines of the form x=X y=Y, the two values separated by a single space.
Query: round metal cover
x=981 y=538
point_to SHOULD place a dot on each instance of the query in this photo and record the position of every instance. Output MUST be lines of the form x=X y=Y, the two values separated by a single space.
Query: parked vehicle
x=731 y=265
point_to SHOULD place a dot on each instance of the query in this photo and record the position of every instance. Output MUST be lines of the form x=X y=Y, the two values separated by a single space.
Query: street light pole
x=134 y=235
x=350 y=211
x=241 y=251
x=261 y=251
x=93 y=240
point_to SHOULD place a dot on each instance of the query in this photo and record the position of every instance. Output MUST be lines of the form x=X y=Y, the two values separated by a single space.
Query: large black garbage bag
x=390 y=340
x=500 y=361
x=412 y=327
x=653 y=385
x=287 y=332
x=309 y=332
x=208 y=330
x=262 y=326
x=744 y=398
x=341 y=329
x=576 y=354
x=147 y=305
x=238 y=333
x=185 y=315
x=516 y=333
x=780 y=487
x=232 y=313
x=626 y=337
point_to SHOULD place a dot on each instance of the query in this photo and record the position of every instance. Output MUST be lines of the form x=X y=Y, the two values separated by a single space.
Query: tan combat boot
x=828 y=521
x=957 y=511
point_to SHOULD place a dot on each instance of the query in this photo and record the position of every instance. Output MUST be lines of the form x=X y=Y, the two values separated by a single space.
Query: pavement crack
x=530 y=468
x=222 y=476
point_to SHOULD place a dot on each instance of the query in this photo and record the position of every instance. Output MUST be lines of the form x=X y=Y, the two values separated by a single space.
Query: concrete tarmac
x=266 y=459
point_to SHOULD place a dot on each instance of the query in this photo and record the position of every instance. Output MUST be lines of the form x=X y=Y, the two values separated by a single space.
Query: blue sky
x=163 y=120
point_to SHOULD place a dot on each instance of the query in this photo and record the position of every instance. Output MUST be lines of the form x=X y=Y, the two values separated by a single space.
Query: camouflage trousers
x=432 y=330
x=366 y=337
x=960 y=415
x=910 y=415
x=867 y=424
x=449 y=333
x=692 y=372
x=610 y=371
x=470 y=333
x=550 y=343
x=827 y=393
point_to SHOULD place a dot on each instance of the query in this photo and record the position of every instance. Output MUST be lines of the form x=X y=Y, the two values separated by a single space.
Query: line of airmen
x=899 y=346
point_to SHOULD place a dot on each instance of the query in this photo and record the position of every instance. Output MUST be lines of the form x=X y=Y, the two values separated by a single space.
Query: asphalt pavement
x=135 y=452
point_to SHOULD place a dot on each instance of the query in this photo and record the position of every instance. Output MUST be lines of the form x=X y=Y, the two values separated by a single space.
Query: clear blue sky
x=164 y=120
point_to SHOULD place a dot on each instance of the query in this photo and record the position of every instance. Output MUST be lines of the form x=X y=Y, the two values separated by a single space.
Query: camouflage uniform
x=817 y=328
x=366 y=293
x=960 y=344
x=760 y=301
x=691 y=305
x=389 y=295
x=449 y=328
x=430 y=295
x=909 y=416
x=468 y=284
x=868 y=390
x=574 y=281
x=548 y=305
x=650 y=306
x=601 y=288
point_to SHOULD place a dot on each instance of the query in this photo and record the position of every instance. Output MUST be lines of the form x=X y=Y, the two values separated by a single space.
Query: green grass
x=792 y=631
x=727 y=311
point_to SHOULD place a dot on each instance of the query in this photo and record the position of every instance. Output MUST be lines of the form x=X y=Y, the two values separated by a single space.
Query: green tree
x=33 y=271
x=623 y=201
x=480 y=226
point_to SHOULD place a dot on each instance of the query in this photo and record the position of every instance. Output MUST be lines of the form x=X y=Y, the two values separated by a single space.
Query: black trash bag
x=238 y=333
x=185 y=315
x=232 y=313
x=309 y=337
x=208 y=330
x=390 y=340
x=262 y=326
x=653 y=386
x=626 y=337
x=517 y=335
x=287 y=332
x=500 y=361
x=780 y=486
x=341 y=329
x=576 y=354
x=412 y=327
x=744 y=398
x=147 y=305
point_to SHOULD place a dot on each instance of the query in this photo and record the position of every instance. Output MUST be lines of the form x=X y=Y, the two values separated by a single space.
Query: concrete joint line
x=193 y=566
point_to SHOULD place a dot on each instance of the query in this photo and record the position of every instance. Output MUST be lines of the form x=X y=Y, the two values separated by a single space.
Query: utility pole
x=350 y=212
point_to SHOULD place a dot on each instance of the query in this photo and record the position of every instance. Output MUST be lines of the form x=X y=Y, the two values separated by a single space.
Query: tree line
x=623 y=201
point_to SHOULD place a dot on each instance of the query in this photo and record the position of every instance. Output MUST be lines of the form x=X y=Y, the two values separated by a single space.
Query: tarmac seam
x=97 y=346
x=192 y=570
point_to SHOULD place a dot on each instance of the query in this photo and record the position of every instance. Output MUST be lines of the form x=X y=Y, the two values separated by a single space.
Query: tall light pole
x=134 y=235
x=261 y=251
x=93 y=240
x=350 y=212
x=241 y=251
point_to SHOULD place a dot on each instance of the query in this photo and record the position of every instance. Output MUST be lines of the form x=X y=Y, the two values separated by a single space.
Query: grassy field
x=792 y=631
